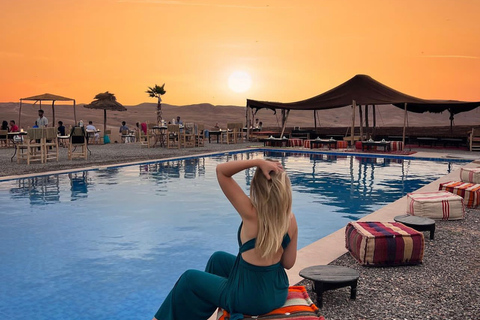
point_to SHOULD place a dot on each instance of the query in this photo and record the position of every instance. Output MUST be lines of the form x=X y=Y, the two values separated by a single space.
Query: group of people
x=12 y=127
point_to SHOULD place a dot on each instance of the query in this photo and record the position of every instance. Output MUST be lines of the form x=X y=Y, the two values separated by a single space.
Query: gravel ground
x=114 y=153
x=445 y=286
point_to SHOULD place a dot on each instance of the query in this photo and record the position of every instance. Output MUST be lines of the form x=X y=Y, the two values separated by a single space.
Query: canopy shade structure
x=47 y=97
x=105 y=101
x=364 y=90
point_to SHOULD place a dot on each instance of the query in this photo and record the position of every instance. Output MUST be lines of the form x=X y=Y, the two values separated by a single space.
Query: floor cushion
x=440 y=205
x=384 y=243
x=470 y=175
x=298 y=306
x=470 y=192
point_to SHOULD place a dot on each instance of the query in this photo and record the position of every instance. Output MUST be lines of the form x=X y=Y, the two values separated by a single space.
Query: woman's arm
x=289 y=255
x=240 y=201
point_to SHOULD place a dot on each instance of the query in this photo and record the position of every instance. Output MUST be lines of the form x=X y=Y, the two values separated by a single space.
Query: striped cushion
x=436 y=205
x=471 y=175
x=396 y=145
x=295 y=142
x=384 y=243
x=470 y=192
x=342 y=144
x=298 y=306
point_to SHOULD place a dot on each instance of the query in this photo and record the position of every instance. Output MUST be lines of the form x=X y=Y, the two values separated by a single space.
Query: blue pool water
x=109 y=244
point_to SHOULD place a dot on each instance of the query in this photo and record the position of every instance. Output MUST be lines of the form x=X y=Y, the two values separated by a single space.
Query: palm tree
x=156 y=92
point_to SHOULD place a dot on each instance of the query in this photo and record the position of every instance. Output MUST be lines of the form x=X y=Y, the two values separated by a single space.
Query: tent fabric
x=47 y=96
x=366 y=91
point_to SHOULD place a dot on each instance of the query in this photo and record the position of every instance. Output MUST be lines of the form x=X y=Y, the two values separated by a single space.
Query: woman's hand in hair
x=268 y=167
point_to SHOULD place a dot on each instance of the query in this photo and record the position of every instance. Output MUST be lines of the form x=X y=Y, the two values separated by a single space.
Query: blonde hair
x=272 y=200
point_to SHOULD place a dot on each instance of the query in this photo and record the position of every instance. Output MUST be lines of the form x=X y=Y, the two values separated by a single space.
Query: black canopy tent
x=364 y=90
x=46 y=97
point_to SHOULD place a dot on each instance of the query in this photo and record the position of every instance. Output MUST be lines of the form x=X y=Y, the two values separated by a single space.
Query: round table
x=331 y=277
x=417 y=223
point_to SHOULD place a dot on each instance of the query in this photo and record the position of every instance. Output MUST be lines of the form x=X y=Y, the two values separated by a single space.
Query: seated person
x=13 y=126
x=123 y=127
x=61 y=129
x=91 y=129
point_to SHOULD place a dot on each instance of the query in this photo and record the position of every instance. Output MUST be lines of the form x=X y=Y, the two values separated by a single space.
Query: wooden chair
x=4 y=138
x=173 y=136
x=474 y=140
x=78 y=140
x=50 y=143
x=146 y=138
x=234 y=131
x=33 y=145
x=188 y=135
x=200 y=135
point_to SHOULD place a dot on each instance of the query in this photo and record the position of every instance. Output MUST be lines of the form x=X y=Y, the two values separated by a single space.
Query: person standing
x=42 y=121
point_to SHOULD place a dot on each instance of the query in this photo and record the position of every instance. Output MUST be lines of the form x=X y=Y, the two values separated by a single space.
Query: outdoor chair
x=199 y=135
x=173 y=136
x=127 y=137
x=33 y=145
x=78 y=140
x=474 y=140
x=4 y=138
x=50 y=144
x=188 y=135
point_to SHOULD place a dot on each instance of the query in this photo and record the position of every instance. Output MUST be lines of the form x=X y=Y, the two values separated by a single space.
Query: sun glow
x=239 y=81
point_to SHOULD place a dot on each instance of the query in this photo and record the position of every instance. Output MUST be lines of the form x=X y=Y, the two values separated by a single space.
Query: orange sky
x=292 y=49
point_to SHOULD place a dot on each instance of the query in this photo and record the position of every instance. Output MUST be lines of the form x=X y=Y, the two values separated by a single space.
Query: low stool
x=470 y=192
x=384 y=243
x=440 y=205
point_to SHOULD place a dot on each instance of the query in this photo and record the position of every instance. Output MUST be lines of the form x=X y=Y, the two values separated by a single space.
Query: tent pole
x=248 y=122
x=284 y=118
x=20 y=114
x=315 y=119
x=74 y=114
x=354 y=105
x=366 y=122
x=374 y=112
x=104 y=121
x=404 y=125
x=360 y=113
x=53 y=112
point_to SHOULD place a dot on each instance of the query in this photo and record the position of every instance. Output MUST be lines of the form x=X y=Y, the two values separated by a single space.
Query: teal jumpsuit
x=228 y=282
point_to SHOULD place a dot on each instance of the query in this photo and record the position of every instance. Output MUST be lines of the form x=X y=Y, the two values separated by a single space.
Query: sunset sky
x=290 y=50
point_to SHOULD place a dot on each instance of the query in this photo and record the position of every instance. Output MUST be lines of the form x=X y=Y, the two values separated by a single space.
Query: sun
x=239 y=81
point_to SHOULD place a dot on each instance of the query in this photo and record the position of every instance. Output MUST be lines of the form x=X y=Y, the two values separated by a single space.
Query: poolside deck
x=445 y=286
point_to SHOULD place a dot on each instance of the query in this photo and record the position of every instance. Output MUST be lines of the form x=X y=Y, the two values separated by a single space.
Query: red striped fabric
x=470 y=192
x=384 y=243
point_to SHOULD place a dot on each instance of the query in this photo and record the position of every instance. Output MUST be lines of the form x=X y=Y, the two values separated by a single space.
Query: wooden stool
x=331 y=277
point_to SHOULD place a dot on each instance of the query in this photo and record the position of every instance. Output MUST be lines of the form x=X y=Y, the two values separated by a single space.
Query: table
x=331 y=277
x=214 y=133
x=12 y=136
x=417 y=223
x=160 y=135
x=368 y=144
x=328 y=142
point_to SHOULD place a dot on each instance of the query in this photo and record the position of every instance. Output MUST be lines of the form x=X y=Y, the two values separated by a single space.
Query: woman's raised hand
x=270 y=166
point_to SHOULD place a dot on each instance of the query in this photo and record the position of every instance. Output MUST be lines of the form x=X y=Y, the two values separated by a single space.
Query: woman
x=254 y=282
x=4 y=125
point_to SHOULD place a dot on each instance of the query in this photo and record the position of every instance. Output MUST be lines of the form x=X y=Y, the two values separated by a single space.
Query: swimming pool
x=110 y=243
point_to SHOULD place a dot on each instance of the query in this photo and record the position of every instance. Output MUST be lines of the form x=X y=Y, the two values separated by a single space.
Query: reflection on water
x=39 y=190
x=79 y=185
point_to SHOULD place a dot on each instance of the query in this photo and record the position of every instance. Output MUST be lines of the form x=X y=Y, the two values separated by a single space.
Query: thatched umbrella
x=105 y=101
x=47 y=97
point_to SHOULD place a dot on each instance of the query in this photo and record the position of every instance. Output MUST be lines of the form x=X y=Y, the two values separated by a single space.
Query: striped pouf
x=295 y=142
x=384 y=243
x=471 y=175
x=440 y=205
x=470 y=192
x=342 y=144
x=298 y=306
x=396 y=145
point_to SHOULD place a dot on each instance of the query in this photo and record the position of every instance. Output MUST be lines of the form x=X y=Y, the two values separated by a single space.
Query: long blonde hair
x=272 y=200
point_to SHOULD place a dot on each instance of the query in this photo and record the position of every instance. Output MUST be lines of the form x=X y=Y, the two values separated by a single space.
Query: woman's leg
x=221 y=264
x=195 y=296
